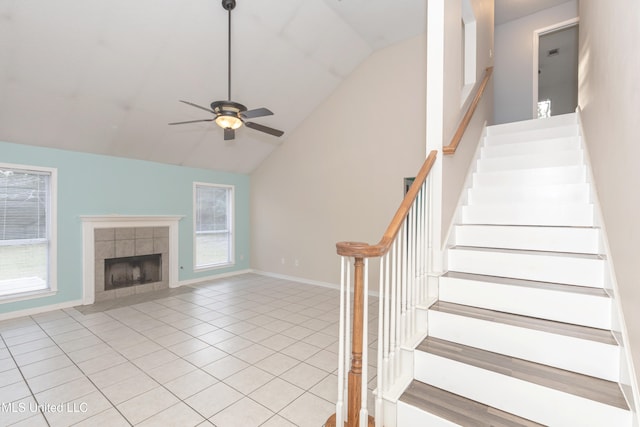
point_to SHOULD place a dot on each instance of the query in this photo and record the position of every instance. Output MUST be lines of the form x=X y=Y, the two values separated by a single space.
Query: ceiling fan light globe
x=228 y=122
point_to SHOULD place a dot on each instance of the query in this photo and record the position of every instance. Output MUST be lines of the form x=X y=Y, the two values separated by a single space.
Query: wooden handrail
x=464 y=123
x=360 y=251
x=364 y=250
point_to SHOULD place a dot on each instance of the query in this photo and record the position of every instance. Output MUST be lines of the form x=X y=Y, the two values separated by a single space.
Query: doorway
x=555 y=63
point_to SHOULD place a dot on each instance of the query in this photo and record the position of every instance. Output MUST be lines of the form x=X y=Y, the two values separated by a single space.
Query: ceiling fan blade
x=265 y=129
x=229 y=134
x=192 y=121
x=257 y=112
x=197 y=106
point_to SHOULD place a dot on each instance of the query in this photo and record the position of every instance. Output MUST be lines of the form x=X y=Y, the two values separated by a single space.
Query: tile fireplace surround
x=124 y=242
x=111 y=236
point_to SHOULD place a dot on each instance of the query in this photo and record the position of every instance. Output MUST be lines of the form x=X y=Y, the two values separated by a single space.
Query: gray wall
x=513 y=89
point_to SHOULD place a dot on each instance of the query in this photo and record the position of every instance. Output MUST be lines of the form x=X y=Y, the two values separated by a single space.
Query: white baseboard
x=38 y=310
x=297 y=279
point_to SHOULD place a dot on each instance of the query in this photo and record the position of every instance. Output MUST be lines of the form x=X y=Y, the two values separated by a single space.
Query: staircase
x=521 y=333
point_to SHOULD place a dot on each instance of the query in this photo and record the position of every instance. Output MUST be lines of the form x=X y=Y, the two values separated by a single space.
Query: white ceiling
x=105 y=76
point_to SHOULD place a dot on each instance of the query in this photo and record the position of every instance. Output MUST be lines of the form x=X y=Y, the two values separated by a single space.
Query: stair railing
x=402 y=287
x=405 y=255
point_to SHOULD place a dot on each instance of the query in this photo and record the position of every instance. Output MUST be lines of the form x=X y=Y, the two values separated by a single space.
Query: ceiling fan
x=231 y=115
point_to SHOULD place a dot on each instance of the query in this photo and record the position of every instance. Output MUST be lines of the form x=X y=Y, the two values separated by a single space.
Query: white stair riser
x=558 y=239
x=528 y=400
x=410 y=416
x=532 y=161
x=543 y=347
x=574 y=215
x=548 y=146
x=544 y=268
x=527 y=125
x=579 y=309
x=532 y=177
x=570 y=193
x=531 y=135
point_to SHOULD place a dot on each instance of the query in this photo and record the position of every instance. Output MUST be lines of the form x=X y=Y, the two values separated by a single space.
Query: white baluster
x=394 y=316
x=387 y=322
x=364 y=413
x=380 y=383
x=405 y=262
x=341 y=354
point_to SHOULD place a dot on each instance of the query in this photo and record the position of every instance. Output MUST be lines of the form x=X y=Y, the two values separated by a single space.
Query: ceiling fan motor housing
x=228 y=4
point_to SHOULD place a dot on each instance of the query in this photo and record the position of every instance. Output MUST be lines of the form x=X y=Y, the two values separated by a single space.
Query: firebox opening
x=133 y=270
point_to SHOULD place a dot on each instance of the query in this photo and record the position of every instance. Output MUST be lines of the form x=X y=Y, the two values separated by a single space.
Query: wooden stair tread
x=596 y=389
x=558 y=287
x=576 y=331
x=459 y=409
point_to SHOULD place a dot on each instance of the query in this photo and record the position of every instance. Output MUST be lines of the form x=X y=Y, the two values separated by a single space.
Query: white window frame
x=230 y=224
x=52 y=227
x=469 y=53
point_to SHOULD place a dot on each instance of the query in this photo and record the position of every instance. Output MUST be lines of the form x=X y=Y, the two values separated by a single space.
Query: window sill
x=5 y=299
x=213 y=267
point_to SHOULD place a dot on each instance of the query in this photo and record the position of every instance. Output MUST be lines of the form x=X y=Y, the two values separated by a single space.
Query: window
x=213 y=224
x=27 y=230
x=469 y=39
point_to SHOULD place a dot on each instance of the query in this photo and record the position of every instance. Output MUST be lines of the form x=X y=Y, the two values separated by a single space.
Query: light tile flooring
x=242 y=352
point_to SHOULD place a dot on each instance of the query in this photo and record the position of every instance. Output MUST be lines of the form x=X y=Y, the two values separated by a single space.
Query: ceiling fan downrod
x=229 y=5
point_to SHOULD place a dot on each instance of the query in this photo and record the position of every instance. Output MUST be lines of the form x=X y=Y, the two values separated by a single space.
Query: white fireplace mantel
x=91 y=222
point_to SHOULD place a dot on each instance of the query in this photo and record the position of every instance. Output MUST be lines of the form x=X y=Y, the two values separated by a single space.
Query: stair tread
x=459 y=409
x=530 y=252
x=576 y=331
x=596 y=389
x=559 y=287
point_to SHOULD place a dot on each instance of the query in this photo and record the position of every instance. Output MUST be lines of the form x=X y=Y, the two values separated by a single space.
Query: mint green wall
x=91 y=184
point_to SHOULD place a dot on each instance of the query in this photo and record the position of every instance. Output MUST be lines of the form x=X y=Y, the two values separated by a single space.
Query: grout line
x=24 y=379
x=293 y=301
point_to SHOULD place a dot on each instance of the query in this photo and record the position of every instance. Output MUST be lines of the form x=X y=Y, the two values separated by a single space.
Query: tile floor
x=241 y=352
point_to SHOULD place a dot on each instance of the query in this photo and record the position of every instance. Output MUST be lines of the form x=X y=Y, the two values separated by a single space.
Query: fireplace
x=132 y=270
x=126 y=255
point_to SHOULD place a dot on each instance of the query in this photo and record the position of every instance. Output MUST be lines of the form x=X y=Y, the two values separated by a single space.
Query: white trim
x=611 y=286
x=470 y=50
x=91 y=222
x=24 y=296
x=230 y=224
x=52 y=228
x=435 y=127
x=38 y=310
x=297 y=279
x=536 y=47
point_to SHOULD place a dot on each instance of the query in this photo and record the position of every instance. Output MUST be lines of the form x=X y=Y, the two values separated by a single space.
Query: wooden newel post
x=355 y=371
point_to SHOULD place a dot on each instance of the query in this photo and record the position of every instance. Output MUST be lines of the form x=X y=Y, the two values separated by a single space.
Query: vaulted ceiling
x=105 y=76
